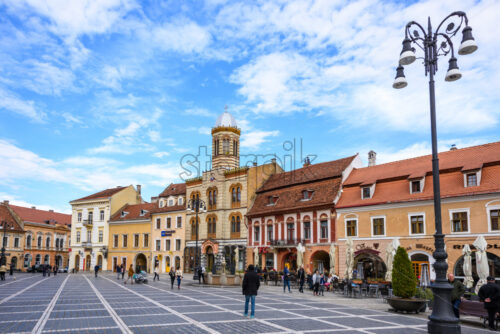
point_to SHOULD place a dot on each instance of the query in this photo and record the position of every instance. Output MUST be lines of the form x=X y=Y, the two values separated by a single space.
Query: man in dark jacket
x=301 y=275
x=490 y=294
x=456 y=294
x=250 y=286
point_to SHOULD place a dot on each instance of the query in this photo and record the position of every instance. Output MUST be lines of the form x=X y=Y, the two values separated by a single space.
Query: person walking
x=130 y=275
x=316 y=279
x=456 y=294
x=11 y=269
x=203 y=271
x=156 y=272
x=322 y=283
x=171 y=273
x=490 y=295
x=286 y=279
x=250 y=286
x=44 y=270
x=48 y=268
x=55 y=270
x=96 y=269
x=118 y=272
x=178 y=275
x=123 y=269
x=3 y=270
x=301 y=275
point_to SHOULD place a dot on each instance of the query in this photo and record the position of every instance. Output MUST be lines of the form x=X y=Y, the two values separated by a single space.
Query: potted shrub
x=404 y=285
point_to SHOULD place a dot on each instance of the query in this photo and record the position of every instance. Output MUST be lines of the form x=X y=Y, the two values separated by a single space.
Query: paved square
x=84 y=304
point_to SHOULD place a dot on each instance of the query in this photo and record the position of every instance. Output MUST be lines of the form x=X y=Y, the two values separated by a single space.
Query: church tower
x=225 y=142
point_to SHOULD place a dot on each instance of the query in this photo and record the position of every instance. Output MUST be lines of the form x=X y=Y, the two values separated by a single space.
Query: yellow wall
x=126 y=196
x=179 y=233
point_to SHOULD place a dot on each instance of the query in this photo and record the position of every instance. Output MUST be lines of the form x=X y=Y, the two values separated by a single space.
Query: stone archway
x=141 y=262
x=321 y=261
x=99 y=261
x=88 y=260
x=290 y=260
x=209 y=251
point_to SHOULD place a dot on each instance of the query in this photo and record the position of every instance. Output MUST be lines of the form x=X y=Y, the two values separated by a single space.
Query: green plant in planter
x=404 y=282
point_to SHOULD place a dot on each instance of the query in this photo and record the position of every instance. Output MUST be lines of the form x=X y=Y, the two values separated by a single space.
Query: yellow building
x=130 y=237
x=390 y=201
x=90 y=228
x=168 y=227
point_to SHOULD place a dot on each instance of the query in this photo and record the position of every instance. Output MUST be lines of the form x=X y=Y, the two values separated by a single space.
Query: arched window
x=212 y=198
x=193 y=228
x=235 y=191
x=39 y=243
x=235 y=148
x=195 y=195
x=38 y=258
x=211 y=227
x=28 y=241
x=46 y=259
x=47 y=242
x=290 y=229
x=225 y=146
x=235 y=225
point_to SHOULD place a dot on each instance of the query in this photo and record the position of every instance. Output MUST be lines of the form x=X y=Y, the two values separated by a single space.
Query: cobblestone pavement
x=84 y=304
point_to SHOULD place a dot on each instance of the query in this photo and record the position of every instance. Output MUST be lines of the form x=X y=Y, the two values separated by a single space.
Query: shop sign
x=167 y=233
x=495 y=246
x=421 y=246
x=263 y=250
x=363 y=246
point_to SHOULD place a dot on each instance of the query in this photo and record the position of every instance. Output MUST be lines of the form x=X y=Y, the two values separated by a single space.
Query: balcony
x=87 y=222
x=86 y=244
x=286 y=243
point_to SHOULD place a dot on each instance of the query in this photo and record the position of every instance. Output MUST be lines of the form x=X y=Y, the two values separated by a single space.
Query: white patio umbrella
x=482 y=267
x=390 y=252
x=236 y=258
x=300 y=254
x=349 y=258
x=332 y=258
x=424 y=276
x=468 y=281
x=256 y=256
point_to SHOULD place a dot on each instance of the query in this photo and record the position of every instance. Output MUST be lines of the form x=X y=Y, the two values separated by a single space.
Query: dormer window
x=415 y=187
x=271 y=200
x=143 y=212
x=124 y=213
x=307 y=195
x=471 y=179
x=366 y=192
x=180 y=201
x=170 y=202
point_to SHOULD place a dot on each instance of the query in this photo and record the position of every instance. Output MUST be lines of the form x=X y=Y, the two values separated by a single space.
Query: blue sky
x=95 y=94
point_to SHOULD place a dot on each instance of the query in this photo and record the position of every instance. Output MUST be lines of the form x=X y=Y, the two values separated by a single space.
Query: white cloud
x=199 y=112
x=161 y=154
x=69 y=118
x=19 y=202
x=11 y=102
x=182 y=36
x=253 y=140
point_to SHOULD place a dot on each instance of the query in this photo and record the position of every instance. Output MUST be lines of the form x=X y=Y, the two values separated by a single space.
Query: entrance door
x=141 y=263
x=87 y=263
x=115 y=263
x=210 y=259
x=77 y=262
x=99 y=261
x=13 y=261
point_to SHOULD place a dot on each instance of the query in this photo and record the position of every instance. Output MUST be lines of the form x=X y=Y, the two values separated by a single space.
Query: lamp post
x=3 y=259
x=442 y=319
x=196 y=205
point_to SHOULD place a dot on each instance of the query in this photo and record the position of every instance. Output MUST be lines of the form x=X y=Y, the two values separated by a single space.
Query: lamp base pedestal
x=443 y=320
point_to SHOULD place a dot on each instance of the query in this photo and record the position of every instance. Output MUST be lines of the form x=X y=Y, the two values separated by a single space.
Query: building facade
x=169 y=228
x=90 y=228
x=297 y=208
x=130 y=237
x=390 y=201
x=227 y=190
x=12 y=235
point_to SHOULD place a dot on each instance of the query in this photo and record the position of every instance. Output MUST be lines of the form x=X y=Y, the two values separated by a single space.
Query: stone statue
x=236 y=258
x=300 y=254
x=332 y=258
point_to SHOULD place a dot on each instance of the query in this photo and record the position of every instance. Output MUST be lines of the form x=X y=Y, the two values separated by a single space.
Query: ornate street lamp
x=3 y=258
x=196 y=205
x=442 y=319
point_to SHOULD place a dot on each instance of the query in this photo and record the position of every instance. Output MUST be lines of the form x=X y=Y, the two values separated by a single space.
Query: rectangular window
x=324 y=229
x=471 y=180
x=77 y=236
x=366 y=192
x=169 y=222
x=125 y=240
x=5 y=242
x=351 y=228
x=158 y=223
x=415 y=187
x=179 y=222
x=177 y=244
x=90 y=217
x=136 y=240
x=158 y=245
x=89 y=235
x=16 y=242
x=256 y=233
x=146 y=240
x=167 y=244
x=290 y=231
x=417 y=224
x=269 y=232
x=307 y=230
x=101 y=215
x=459 y=222
x=101 y=235
x=495 y=219
x=378 y=226
x=79 y=217
x=115 y=240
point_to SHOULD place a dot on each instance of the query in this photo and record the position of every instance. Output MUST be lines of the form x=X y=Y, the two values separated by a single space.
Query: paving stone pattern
x=84 y=304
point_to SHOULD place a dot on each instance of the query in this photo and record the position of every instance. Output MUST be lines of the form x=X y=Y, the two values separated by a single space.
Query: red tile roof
x=392 y=179
x=167 y=208
x=134 y=212
x=101 y=194
x=41 y=216
x=322 y=179
x=174 y=189
x=7 y=216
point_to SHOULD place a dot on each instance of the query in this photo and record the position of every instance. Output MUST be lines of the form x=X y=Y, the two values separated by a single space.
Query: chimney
x=51 y=210
x=33 y=207
x=6 y=202
x=372 y=158
x=307 y=162
x=254 y=164
x=139 y=189
x=453 y=147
